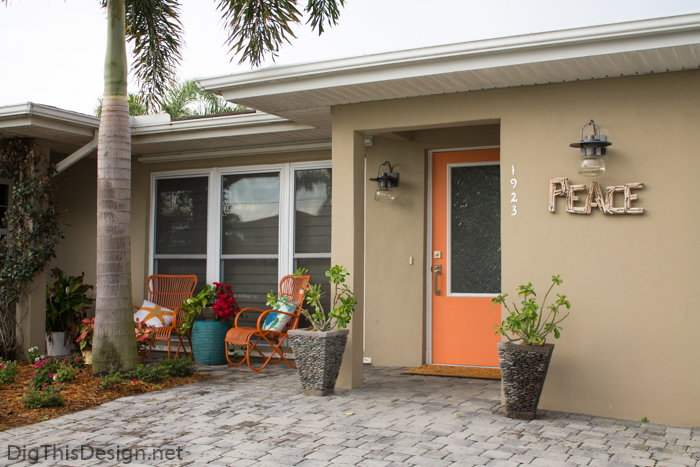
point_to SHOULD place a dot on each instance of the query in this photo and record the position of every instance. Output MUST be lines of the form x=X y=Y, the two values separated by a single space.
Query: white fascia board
x=172 y=134
x=30 y=109
x=212 y=123
x=548 y=46
x=242 y=151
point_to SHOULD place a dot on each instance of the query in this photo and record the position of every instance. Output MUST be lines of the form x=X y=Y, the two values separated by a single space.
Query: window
x=180 y=245
x=250 y=235
x=312 y=226
x=246 y=226
x=5 y=201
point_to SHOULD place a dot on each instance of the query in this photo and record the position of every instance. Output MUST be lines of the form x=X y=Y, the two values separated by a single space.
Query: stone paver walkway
x=247 y=419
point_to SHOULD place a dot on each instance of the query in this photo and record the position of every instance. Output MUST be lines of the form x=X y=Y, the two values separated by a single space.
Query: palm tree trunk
x=114 y=345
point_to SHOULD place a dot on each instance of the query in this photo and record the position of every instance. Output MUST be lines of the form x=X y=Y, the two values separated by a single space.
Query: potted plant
x=319 y=349
x=87 y=331
x=525 y=357
x=193 y=307
x=208 y=336
x=66 y=299
x=145 y=338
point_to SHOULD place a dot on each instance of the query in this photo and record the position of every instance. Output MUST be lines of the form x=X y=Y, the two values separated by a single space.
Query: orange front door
x=466 y=250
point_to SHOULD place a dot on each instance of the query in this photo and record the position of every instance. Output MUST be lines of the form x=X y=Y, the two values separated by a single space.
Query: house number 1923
x=513 y=197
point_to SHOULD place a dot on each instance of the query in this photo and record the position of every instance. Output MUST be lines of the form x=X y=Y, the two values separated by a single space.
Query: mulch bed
x=82 y=393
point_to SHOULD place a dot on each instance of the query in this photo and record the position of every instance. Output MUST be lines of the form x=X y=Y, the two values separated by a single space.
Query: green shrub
x=44 y=371
x=33 y=355
x=111 y=380
x=49 y=397
x=76 y=360
x=179 y=367
x=148 y=373
x=8 y=370
x=65 y=374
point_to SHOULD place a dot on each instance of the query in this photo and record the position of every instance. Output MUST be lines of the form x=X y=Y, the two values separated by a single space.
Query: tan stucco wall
x=395 y=233
x=628 y=349
x=76 y=194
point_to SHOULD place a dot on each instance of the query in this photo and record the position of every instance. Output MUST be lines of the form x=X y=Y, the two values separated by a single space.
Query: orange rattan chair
x=293 y=288
x=169 y=292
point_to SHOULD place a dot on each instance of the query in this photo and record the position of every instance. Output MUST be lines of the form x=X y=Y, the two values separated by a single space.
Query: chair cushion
x=277 y=321
x=154 y=315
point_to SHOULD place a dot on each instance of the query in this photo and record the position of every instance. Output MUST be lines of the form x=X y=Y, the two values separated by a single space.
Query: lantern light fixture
x=592 y=149
x=385 y=181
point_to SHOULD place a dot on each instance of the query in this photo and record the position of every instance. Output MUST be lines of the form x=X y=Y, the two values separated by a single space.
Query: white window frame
x=214 y=255
x=7 y=182
x=152 y=228
x=282 y=253
x=292 y=212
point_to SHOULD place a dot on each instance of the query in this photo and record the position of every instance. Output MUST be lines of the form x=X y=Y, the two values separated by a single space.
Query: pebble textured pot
x=523 y=370
x=208 y=343
x=318 y=358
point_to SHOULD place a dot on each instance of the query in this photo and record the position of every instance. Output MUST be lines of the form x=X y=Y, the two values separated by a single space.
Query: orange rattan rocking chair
x=170 y=291
x=294 y=289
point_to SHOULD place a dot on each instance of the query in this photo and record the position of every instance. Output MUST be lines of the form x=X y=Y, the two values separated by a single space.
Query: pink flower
x=134 y=380
x=51 y=375
x=31 y=376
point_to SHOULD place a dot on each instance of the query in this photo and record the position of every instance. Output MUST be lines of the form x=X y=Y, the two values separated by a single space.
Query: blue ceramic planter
x=208 y=342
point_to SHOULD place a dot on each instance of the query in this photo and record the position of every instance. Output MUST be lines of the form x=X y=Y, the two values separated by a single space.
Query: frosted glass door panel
x=475 y=229
x=250 y=214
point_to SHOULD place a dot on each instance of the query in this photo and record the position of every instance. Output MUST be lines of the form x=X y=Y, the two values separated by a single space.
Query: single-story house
x=489 y=197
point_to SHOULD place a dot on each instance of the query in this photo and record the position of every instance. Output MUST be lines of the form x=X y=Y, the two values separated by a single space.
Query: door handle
x=437 y=270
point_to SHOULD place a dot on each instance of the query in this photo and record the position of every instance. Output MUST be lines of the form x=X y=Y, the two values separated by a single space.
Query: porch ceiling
x=65 y=131
x=305 y=93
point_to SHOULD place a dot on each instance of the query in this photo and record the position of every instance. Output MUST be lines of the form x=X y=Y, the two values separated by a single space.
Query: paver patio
x=246 y=419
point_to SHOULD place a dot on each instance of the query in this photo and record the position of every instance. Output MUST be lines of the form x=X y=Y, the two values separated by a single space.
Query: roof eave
x=554 y=45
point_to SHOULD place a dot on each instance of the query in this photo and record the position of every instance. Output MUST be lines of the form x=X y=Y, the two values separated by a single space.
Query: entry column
x=347 y=243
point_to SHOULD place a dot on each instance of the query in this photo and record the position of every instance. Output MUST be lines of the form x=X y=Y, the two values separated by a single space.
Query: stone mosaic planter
x=318 y=358
x=523 y=370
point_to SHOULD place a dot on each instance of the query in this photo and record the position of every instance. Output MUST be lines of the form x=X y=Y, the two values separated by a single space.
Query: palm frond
x=211 y=104
x=154 y=27
x=178 y=98
x=323 y=11
x=258 y=27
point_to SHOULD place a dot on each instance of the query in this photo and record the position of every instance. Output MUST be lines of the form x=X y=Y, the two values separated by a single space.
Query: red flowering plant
x=145 y=334
x=225 y=306
x=86 y=330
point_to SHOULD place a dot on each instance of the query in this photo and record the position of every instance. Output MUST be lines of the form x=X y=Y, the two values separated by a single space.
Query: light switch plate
x=366 y=360
x=437 y=254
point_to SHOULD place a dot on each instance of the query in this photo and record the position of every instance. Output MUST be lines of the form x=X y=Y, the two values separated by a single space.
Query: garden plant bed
x=82 y=393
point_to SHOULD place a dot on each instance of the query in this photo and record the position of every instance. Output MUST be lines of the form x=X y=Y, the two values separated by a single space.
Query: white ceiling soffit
x=43 y=121
x=304 y=92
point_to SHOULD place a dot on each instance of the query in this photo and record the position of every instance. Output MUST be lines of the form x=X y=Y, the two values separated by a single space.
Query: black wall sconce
x=592 y=149
x=385 y=181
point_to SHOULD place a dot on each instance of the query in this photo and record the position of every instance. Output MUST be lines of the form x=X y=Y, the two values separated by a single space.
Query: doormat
x=456 y=371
